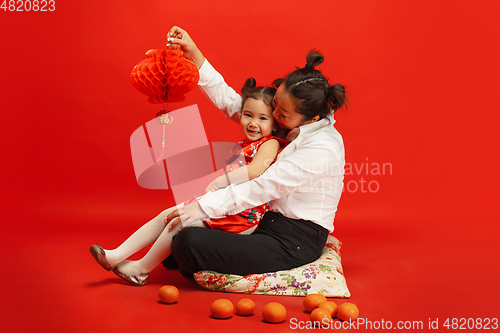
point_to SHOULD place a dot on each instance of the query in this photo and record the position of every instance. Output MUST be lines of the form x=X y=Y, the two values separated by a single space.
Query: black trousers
x=280 y=243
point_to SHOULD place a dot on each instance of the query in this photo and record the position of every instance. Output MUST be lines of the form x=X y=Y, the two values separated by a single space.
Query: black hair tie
x=327 y=91
x=310 y=66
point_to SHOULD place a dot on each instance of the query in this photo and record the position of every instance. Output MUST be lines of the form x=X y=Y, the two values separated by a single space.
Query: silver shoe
x=100 y=256
x=136 y=280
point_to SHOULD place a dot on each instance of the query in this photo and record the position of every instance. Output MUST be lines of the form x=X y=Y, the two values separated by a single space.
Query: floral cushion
x=323 y=276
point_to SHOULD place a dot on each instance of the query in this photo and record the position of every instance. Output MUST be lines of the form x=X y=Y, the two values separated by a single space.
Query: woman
x=303 y=185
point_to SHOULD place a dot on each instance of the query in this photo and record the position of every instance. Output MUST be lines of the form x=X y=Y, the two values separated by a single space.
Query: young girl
x=256 y=152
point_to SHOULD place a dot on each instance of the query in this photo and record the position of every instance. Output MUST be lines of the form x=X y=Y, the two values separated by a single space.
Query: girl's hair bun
x=278 y=82
x=250 y=83
x=250 y=90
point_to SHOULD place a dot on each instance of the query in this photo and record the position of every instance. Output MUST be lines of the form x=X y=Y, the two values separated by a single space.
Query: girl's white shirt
x=306 y=180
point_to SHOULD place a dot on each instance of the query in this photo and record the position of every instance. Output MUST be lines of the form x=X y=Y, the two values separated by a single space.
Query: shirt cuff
x=207 y=73
x=210 y=205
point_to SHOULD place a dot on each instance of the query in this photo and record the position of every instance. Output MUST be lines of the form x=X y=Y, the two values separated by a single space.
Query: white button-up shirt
x=306 y=180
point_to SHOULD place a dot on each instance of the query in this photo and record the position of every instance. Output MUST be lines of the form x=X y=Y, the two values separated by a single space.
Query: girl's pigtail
x=250 y=89
x=277 y=82
x=250 y=83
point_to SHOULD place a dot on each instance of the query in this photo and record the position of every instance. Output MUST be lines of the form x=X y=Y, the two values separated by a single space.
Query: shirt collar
x=309 y=128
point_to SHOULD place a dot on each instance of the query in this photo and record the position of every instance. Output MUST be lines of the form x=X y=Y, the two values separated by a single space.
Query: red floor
x=396 y=271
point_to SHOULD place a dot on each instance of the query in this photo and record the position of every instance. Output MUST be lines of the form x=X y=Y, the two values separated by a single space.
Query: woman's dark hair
x=261 y=93
x=315 y=95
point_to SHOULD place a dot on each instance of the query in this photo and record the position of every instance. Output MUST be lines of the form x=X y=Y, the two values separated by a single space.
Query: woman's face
x=285 y=110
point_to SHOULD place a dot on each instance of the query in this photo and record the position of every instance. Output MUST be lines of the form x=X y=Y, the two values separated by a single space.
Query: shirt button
x=272 y=220
x=298 y=247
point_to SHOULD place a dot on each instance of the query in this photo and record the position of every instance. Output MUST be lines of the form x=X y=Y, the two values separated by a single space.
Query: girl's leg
x=144 y=236
x=158 y=252
x=161 y=248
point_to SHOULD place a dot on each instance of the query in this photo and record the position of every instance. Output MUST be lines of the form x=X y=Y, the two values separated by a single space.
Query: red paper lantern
x=165 y=76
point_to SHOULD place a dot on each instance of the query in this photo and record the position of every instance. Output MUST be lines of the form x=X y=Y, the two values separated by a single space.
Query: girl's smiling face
x=256 y=119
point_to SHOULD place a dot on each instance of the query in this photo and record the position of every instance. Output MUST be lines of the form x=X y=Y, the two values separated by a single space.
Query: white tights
x=153 y=231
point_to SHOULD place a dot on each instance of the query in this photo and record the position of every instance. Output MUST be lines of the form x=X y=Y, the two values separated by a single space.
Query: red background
x=422 y=78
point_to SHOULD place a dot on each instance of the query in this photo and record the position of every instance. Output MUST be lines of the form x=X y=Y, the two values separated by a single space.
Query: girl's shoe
x=100 y=256
x=136 y=280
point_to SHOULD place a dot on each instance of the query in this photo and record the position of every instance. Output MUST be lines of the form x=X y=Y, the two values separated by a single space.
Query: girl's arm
x=211 y=82
x=262 y=160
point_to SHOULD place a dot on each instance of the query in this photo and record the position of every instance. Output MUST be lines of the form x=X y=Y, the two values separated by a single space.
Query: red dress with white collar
x=242 y=155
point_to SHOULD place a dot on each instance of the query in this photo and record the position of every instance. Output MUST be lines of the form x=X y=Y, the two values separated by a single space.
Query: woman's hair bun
x=337 y=96
x=314 y=58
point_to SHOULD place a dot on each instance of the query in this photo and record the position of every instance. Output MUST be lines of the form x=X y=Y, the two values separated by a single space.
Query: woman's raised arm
x=211 y=82
x=178 y=38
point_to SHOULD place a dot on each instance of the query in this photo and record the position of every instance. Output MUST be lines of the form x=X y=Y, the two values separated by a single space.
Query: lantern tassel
x=163 y=118
x=162 y=154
